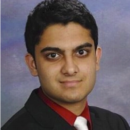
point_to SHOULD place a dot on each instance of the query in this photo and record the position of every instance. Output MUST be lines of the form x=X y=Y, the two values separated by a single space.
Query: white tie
x=80 y=123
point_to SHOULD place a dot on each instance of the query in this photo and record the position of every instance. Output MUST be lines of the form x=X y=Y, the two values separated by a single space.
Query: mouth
x=69 y=84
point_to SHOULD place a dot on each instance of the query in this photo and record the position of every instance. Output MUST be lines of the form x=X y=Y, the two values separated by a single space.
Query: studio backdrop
x=112 y=89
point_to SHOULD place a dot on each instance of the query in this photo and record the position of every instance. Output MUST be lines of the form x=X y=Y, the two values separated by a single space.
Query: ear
x=98 y=57
x=31 y=64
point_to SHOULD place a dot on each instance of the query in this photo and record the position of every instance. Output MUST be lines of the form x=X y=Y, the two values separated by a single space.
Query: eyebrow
x=61 y=51
x=83 y=46
x=51 y=49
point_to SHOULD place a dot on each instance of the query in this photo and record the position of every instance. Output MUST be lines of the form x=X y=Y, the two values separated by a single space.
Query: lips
x=72 y=83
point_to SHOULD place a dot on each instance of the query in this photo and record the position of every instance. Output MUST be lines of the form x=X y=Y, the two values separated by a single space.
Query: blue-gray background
x=112 y=89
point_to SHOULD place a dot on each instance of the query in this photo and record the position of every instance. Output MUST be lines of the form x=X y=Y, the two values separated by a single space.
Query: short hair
x=50 y=12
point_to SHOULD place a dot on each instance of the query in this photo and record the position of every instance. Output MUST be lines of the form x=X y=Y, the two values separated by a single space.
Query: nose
x=69 y=67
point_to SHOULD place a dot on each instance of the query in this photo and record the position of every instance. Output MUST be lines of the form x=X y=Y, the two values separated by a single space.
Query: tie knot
x=80 y=123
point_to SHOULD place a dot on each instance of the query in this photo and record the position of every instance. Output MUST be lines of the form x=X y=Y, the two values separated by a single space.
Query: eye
x=82 y=52
x=53 y=56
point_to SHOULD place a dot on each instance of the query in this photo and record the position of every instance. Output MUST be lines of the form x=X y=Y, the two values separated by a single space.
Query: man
x=62 y=42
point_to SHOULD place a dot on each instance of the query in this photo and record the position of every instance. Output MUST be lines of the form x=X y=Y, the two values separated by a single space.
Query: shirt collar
x=63 y=112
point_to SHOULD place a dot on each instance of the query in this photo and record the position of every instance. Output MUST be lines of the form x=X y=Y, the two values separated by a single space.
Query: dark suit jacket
x=36 y=115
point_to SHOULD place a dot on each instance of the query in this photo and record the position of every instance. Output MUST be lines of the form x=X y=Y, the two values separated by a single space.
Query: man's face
x=66 y=63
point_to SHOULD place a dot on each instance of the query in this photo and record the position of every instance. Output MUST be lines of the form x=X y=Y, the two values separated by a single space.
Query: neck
x=76 y=108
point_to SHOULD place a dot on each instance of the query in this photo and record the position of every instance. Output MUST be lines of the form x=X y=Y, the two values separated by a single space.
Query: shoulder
x=100 y=112
x=33 y=116
x=22 y=118
x=111 y=118
x=103 y=113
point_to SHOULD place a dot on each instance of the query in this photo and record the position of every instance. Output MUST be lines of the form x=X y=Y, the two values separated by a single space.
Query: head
x=62 y=43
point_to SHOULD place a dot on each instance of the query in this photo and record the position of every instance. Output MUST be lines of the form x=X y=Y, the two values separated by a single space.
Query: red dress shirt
x=63 y=112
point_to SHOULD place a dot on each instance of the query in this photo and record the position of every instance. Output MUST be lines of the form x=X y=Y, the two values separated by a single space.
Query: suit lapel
x=44 y=115
x=97 y=123
x=62 y=125
x=50 y=120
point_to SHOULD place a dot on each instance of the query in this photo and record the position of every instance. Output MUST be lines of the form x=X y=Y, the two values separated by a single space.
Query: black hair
x=51 y=12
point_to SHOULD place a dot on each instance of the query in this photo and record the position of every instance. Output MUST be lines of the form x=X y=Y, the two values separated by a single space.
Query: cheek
x=89 y=74
x=88 y=68
x=48 y=72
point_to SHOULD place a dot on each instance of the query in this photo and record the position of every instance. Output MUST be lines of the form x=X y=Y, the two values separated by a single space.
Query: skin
x=66 y=63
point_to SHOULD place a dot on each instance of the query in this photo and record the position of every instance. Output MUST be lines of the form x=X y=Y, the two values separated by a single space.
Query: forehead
x=65 y=36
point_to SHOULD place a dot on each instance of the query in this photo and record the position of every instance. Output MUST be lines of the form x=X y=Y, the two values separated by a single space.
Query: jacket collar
x=50 y=120
x=44 y=115
x=97 y=122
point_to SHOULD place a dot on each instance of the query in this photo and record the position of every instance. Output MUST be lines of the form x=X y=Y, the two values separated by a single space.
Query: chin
x=75 y=98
